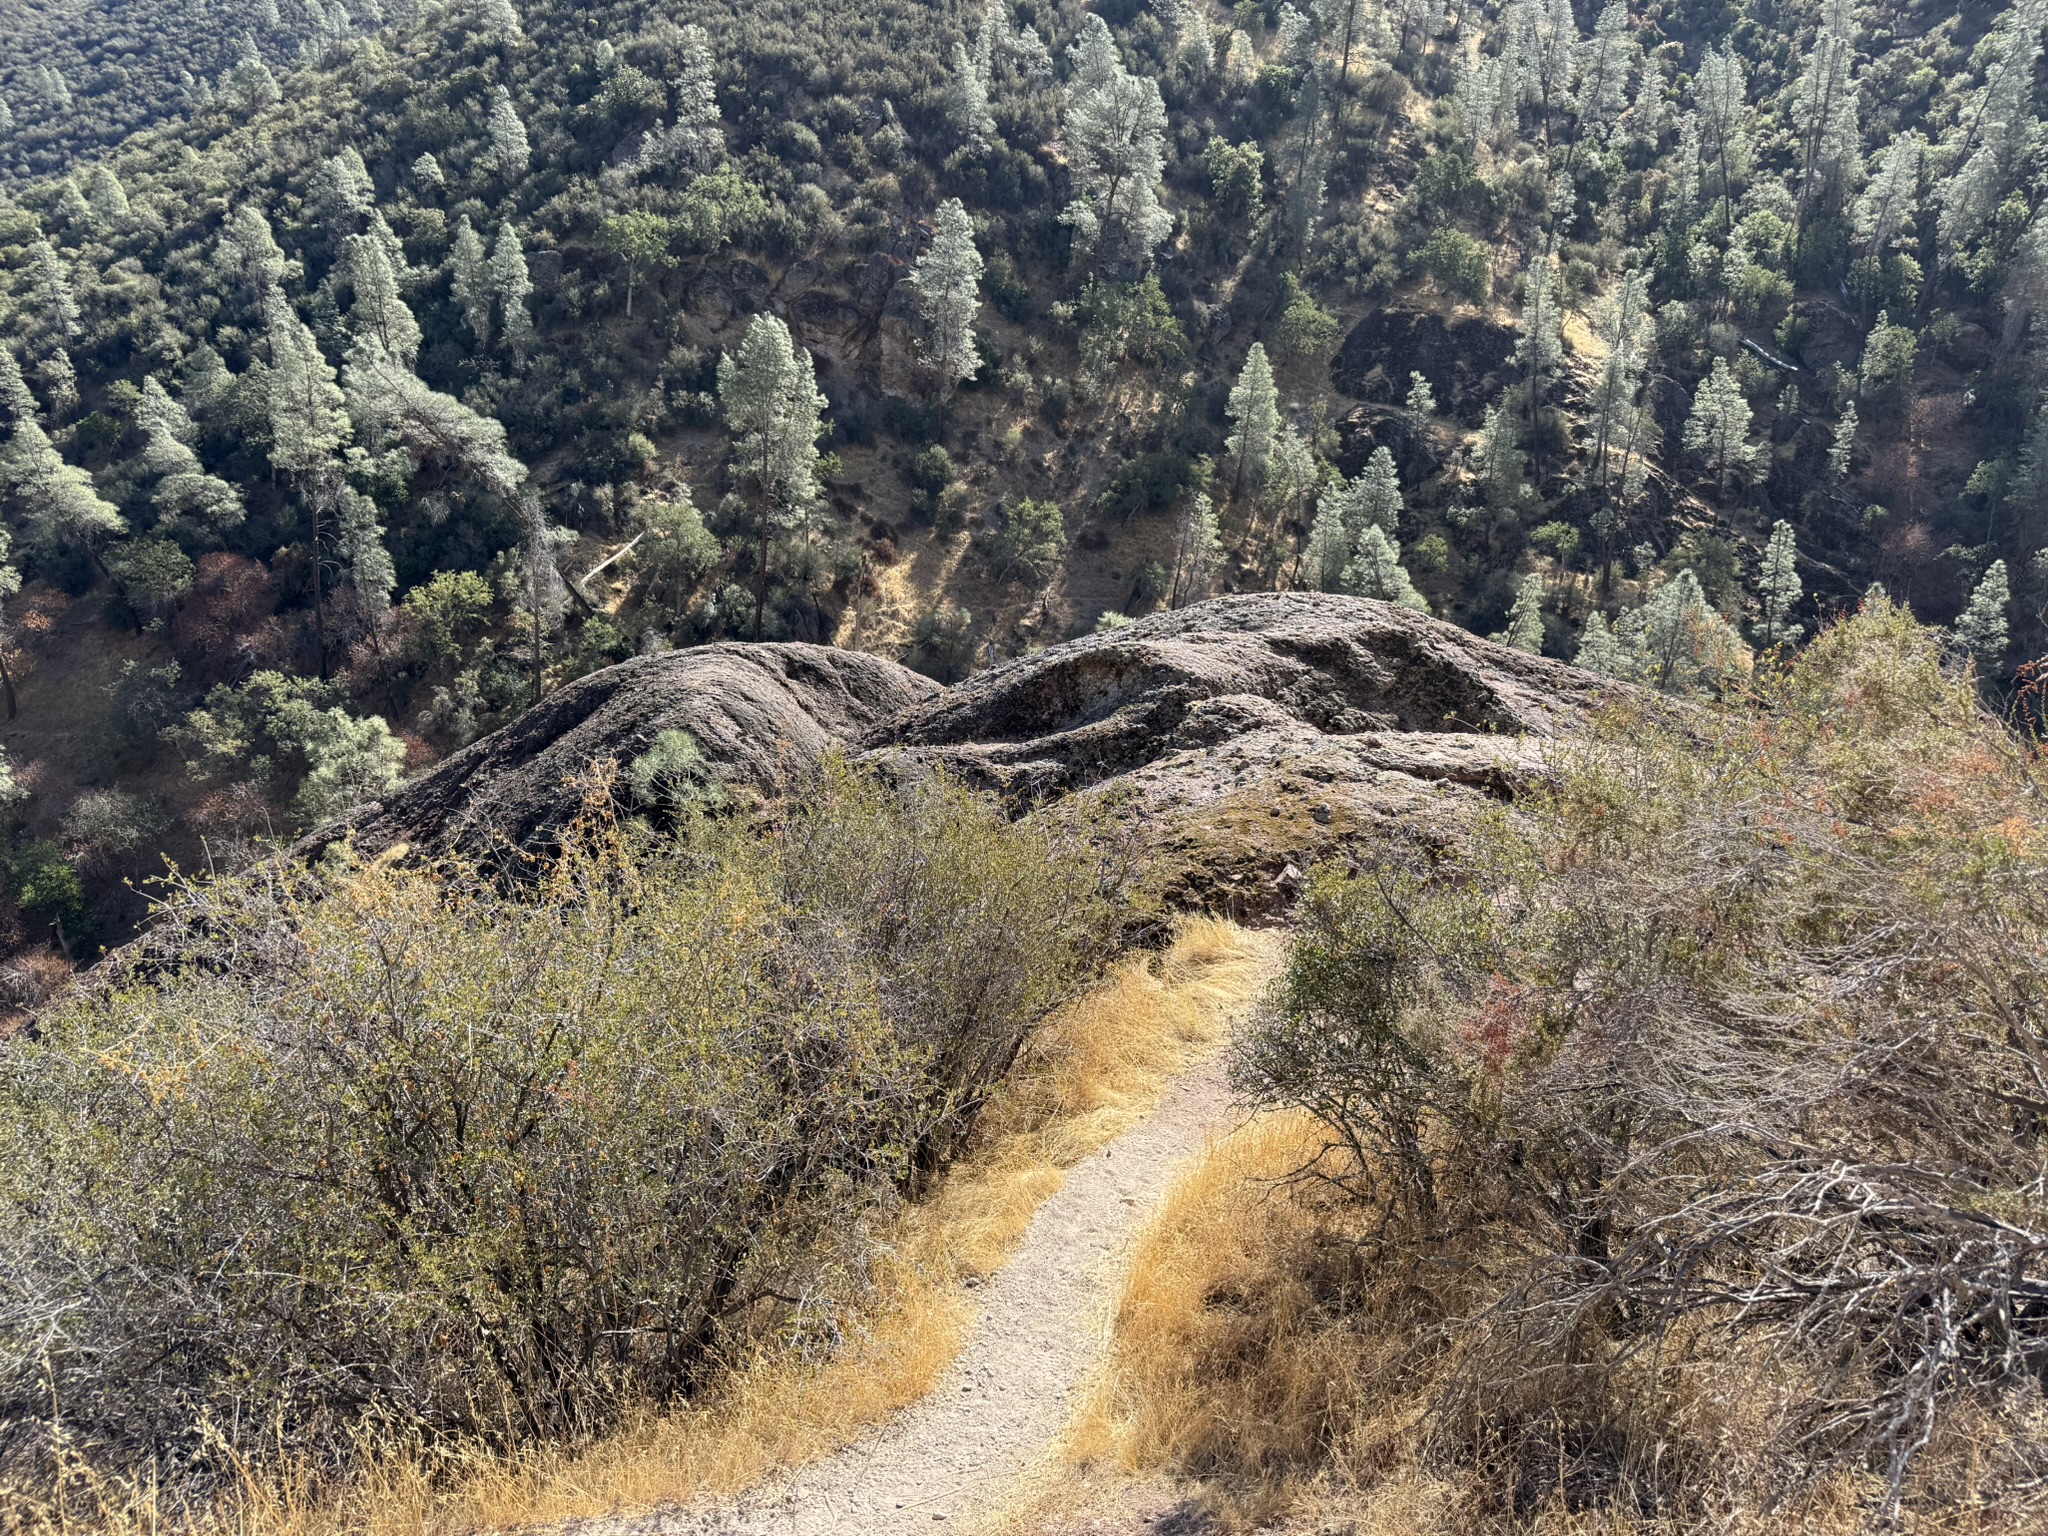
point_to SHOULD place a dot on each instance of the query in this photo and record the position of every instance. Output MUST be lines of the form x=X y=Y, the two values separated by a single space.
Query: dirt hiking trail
x=999 y=1408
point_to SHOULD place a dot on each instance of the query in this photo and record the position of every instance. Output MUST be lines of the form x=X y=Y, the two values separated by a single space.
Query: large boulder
x=761 y=714
x=1231 y=743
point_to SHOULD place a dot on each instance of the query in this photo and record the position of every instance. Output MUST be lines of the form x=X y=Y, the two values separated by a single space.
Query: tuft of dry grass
x=1093 y=1071
x=1255 y=1368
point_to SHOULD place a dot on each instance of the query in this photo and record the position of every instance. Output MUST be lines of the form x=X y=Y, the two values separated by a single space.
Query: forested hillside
x=369 y=375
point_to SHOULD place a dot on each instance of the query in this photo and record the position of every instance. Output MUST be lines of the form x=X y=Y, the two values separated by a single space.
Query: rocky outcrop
x=1462 y=356
x=1235 y=741
x=761 y=715
x=1241 y=739
x=1420 y=450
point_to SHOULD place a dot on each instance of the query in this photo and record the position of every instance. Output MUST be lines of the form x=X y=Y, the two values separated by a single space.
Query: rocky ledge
x=1240 y=739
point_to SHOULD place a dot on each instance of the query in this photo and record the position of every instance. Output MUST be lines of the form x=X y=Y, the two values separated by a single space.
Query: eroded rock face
x=1237 y=741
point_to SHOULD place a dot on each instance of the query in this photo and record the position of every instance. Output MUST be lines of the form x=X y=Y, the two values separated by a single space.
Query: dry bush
x=1254 y=1353
x=1095 y=1067
x=372 y=1151
x=1678 y=1146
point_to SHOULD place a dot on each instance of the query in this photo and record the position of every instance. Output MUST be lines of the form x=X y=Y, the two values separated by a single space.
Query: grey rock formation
x=1241 y=739
x=761 y=714
x=1234 y=741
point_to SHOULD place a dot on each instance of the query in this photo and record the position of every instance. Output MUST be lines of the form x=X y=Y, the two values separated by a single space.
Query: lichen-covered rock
x=1236 y=741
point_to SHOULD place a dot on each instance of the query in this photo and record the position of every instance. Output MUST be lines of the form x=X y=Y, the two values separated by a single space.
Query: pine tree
x=359 y=546
x=1343 y=513
x=1999 y=135
x=769 y=394
x=1780 y=587
x=1885 y=209
x=1981 y=626
x=56 y=91
x=1414 y=22
x=1545 y=37
x=307 y=430
x=1541 y=346
x=1842 y=451
x=60 y=382
x=1497 y=460
x=105 y=195
x=73 y=211
x=189 y=501
x=510 y=154
x=342 y=192
x=1373 y=499
x=307 y=425
x=1116 y=147
x=512 y=287
x=1329 y=546
x=250 y=253
x=1625 y=327
x=1721 y=88
x=967 y=102
x=698 y=120
x=2028 y=492
x=378 y=312
x=470 y=280
x=57 y=502
x=696 y=139
x=499 y=21
x=389 y=404
x=1598 y=652
x=1824 y=112
x=1605 y=60
x=1480 y=101
x=1525 y=616
x=427 y=174
x=1421 y=398
x=1254 y=410
x=2026 y=285
x=1375 y=571
x=1718 y=428
x=544 y=595
x=947 y=282
x=247 y=85
x=1353 y=26
x=53 y=288
x=1687 y=174
x=1198 y=552
x=1677 y=641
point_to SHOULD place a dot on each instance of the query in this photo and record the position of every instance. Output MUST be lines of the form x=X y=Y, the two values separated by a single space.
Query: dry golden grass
x=1251 y=1362
x=1092 y=1072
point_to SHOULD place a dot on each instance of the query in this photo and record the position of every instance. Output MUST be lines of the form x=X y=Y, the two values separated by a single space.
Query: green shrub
x=1028 y=542
x=1458 y=263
